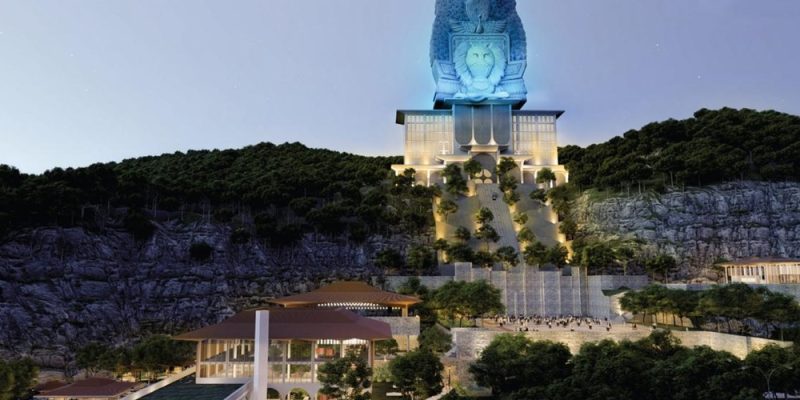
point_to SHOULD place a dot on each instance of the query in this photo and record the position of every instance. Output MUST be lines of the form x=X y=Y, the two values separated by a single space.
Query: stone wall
x=62 y=288
x=469 y=342
x=700 y=225
x=405 y=330
x=530 y=291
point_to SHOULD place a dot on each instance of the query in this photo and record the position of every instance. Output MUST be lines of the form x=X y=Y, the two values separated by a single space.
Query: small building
x=366 y=300
x=762 y=271
x=279 y=351
x=87 y=389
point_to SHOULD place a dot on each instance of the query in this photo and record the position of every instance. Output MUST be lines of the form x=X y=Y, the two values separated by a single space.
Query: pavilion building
x=762 y=271
x=277 y=352
x=365 y=300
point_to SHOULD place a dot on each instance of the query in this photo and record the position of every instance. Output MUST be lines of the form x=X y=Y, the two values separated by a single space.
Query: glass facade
x=289 y=360
x=536 y=135
x=426 y=137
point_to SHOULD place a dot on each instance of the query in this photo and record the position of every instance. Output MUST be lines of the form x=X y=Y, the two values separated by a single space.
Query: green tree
x=435 y=340
x=526 y=236
x=158 y=354
x=417 y=374
x=546 y=175
x=463 y=234
x=472 y=168
x=421 y=259
x=485 y=259
x=90 y=357
x=389 y=259
x=460 y=252
x=484 y=216
x=486 y=234
x=505 y=166
x=455 y=182
x=386 y=348
x=346 y=378
x=535 y=253
x=662 y=264
x=569 y=228
x=17 y=377
x=511 y=363
x=482 y=299
x=557 y=255
x=508 y=256
x=520 y=218
x=446 y=208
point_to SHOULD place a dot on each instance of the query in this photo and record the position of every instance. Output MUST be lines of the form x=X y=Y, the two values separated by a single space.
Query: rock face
x=61 y=288
x=699 y=226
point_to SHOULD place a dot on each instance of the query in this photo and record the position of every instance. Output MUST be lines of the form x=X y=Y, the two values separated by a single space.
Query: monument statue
x=478 y=52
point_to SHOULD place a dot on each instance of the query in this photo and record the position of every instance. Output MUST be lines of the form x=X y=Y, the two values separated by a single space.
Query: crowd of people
x=536 y=323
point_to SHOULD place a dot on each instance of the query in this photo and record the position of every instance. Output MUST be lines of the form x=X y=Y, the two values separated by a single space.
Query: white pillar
x=261 y=370
x=521 y=173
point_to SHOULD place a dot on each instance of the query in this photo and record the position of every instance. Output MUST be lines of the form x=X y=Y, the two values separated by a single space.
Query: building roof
x=92 y=387
x=347 y=292
x=48 y=386
x=188 y=389
x=297 y=323
x=761 y=261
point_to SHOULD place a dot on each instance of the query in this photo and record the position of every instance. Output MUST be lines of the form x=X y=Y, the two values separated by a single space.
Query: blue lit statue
x=478 y=52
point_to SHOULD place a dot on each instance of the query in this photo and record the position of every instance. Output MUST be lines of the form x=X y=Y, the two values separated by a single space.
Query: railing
x=160 y=384
x=243 y=393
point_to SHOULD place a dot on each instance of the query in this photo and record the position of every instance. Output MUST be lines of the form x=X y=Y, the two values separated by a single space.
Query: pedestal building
x=478 y=59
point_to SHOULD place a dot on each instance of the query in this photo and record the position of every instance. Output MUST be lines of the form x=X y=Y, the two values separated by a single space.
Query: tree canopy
x=712 y=147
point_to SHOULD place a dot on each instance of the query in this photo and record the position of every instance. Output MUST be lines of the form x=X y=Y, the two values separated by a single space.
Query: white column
x=261 y=370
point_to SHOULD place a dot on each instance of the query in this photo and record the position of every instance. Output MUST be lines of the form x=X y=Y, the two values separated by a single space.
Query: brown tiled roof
x=297 y=323
x=92 y=387
x=347 y=292
x=757 y=261
x=48 y=386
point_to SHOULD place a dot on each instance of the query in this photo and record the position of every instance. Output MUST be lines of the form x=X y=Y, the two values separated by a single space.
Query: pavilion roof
x=347 y=292
x=92 y=387
x=296 y=323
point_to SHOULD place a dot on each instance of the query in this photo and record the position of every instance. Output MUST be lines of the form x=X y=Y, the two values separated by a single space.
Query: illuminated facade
x=478 y=59
x=277 y=353
x=762 y=271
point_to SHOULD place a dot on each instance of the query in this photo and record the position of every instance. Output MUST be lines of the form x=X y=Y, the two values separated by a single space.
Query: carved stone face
x=478 y=10
x=480 y=61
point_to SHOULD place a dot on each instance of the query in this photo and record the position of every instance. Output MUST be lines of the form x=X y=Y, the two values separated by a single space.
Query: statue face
x=480 y=61
x=478 y=10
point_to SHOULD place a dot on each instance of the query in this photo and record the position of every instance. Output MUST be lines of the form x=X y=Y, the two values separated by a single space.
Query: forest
x=277 y=191
x=712 y=147
x=280 y=192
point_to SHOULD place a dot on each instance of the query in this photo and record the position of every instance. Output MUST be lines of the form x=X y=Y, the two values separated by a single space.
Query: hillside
x=276 y=192
x=712 y=147
x=163 y=243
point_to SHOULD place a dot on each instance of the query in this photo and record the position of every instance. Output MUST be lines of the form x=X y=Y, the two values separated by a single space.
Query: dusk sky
x=96 y=80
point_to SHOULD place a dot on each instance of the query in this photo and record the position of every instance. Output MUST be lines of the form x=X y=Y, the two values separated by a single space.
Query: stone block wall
x=469 y=342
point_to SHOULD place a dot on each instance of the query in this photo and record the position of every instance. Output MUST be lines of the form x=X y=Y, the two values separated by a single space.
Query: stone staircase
x=490 y=196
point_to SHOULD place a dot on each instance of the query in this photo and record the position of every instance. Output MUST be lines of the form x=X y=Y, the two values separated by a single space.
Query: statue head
x=478 y=10
x=480 y=60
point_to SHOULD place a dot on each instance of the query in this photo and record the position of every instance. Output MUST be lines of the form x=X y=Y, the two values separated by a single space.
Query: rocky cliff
x=61 y=288
x=699 y=226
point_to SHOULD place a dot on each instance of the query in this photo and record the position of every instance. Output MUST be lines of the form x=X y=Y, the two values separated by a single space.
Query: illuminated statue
x=480 y=67
x=478 y=52
x=478 y=12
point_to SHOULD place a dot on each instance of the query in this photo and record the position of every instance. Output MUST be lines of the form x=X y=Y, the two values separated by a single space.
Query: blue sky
x=83 y=81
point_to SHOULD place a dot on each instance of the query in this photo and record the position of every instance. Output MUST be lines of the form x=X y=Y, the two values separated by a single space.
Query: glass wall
x=226 y=358
x=289 y=360
x=536 y=135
